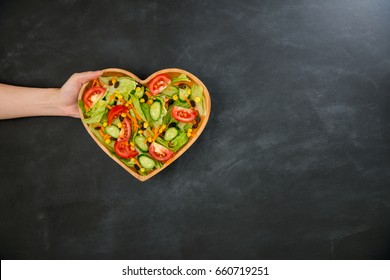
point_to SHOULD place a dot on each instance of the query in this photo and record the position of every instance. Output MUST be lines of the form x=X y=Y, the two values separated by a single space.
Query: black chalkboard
x=293 y=164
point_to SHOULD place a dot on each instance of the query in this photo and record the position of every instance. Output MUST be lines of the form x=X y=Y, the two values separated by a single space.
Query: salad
x=143 y=125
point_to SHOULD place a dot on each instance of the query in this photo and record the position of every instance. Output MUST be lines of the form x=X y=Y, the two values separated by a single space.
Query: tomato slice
x=123 y=149
x=115 y=112
x=159 y=83
x=183 y=114
x=92 y=95
x=125 y=133
x=159 y=152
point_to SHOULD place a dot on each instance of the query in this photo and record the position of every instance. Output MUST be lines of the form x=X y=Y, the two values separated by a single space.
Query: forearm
x=16 y=102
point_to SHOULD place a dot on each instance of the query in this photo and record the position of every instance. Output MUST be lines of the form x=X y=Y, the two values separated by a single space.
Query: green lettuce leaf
x=161 y=141
x=181 y=78
x=175 y=144
x=110 y=146
x=137 y=107
x=96 y=113
x=105 y=80
x=181 y=104
x=81 y=105
x=170 y=91
x=145 y=109
x=126 y=86
x=178 y=142
x=197 y=91
x=184 y=126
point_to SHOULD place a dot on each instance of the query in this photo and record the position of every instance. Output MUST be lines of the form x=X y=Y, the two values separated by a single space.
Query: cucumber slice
x=171 y=133
x=155 y=110
x=146 y=162
x=140 y=141
x=184 y=93
x=139 y=92
x=113 y=131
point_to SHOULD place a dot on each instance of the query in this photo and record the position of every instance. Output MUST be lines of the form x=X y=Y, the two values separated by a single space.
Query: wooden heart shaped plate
x=144 y=125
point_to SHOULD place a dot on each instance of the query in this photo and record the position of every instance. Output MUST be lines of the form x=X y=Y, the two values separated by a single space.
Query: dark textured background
x=293 y=164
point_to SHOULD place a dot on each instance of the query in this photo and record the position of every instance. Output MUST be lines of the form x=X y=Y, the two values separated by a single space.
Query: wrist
x=53 y=105
x=50 y=102
x=67 y=106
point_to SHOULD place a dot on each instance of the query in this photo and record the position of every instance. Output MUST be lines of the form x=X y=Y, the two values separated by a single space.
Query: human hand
x=70 y=90
x=44 y=101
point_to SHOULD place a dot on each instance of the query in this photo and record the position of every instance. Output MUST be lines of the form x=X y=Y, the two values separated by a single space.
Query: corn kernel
x=105 y=124
x=123 y=115
x=149 y=102
x=188 y=91
x=189 y=134
x=190 y=130
x=175 y=97
x=107 y=141
x=164 y=126
x=137 y=89
x=142 y=169
x=197 y=99
x=150 y=139
x=142 y=100
x=132 y=144
x=146 y=125
x=140 y=131
x=132 y=148
x=119 y=125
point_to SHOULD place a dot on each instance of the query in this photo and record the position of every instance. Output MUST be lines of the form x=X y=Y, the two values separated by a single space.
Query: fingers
x=84 y=77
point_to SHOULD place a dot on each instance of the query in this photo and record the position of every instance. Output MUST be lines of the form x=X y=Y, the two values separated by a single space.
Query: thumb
x=84 y=77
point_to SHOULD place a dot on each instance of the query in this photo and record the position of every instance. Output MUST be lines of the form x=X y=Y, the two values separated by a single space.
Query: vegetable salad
x=143 y=126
